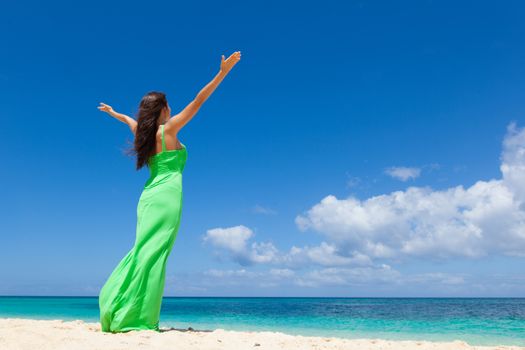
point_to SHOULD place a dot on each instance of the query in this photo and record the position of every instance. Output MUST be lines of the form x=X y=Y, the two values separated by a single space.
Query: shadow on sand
x=189 y=329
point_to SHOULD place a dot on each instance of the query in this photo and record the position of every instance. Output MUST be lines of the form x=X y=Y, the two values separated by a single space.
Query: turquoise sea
x=478 y=321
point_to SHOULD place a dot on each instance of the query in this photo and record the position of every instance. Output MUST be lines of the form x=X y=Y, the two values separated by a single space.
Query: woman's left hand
x=227 y=64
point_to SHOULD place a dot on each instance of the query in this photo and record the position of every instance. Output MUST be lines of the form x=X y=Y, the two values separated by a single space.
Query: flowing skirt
x=131 y=298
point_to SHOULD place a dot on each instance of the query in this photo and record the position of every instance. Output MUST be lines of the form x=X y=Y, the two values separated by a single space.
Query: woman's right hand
x=105 y=108
x=227 y=65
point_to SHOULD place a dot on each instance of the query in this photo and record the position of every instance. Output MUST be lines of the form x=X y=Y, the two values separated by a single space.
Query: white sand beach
x=21 y=334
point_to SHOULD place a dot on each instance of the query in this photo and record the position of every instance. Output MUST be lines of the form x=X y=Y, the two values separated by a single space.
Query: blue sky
x=359 y=148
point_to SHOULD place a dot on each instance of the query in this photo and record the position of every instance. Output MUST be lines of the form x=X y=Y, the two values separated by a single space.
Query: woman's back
x=132 y=296
x=167 y=161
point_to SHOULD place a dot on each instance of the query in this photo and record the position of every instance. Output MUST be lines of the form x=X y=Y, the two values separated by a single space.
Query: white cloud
x=232 y=238
x=230 y=273
x=487 y=217
x=258 y=209
x=272 y=273
x=513 y=160
x=345 y=276
x=403 y=173
x=380 y=280
x=349 y=276
x=234 y=241
x=381 y=274
x=325 y=255
x=263 y=252
x=243 y=277
x=353 y=181
x=282 y=273
x=432 y=277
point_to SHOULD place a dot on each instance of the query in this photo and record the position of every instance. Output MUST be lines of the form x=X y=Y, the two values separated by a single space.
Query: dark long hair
x=150 y=108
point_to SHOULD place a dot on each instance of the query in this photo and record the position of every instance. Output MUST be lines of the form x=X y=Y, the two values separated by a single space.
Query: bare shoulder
x=172 y=126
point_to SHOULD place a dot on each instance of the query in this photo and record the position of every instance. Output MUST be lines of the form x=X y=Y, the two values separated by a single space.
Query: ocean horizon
x=477 y=321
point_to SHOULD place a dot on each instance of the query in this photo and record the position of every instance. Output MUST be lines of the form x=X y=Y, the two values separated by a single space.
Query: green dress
x=131 y=298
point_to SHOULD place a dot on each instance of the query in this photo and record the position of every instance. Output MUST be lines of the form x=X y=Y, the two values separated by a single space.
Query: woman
x=131 y=297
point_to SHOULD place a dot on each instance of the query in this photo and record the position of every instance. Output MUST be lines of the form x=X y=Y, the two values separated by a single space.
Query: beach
x=24 y=333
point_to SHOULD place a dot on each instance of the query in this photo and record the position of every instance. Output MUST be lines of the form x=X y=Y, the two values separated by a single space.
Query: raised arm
x=132 y=123
x=178 y=121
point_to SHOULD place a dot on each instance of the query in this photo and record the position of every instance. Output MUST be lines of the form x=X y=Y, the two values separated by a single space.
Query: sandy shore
x=19 y=334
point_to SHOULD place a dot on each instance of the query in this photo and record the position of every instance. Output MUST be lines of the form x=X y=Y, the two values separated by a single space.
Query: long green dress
x=131 y=298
